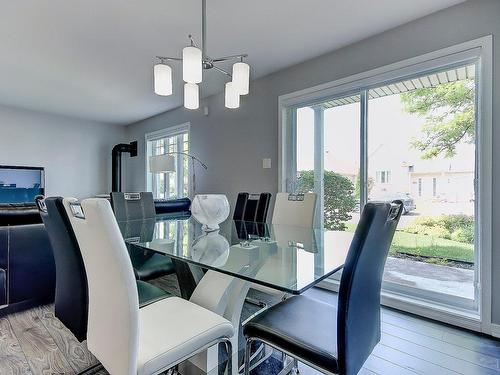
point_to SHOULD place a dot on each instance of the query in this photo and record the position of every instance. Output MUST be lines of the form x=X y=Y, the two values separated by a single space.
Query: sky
x=390 y=130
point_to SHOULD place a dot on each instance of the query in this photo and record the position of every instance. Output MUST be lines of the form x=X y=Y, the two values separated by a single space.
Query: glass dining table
x=240 y=254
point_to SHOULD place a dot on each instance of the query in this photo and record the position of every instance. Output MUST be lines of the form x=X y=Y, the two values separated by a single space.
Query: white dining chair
x=292 y=215
x=294 y=210
x=125 y=339
x=290 y=211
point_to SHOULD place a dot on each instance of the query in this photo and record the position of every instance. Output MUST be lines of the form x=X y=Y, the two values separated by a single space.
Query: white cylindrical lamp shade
x=232 y=97
x=162 y=79
x=162 y=163
x=241 y=77
x=192 y=65
x=191 y=96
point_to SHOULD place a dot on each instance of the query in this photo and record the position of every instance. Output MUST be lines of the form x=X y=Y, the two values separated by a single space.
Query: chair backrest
x=133 y=206
x=71 y=297
x=113 y=327
x=294 y=210
x=263 y=207
x=252 y=207
x=239 y=208
x=358 y=318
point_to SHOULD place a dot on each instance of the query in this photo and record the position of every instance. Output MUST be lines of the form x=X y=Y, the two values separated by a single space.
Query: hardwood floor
x=35 y=342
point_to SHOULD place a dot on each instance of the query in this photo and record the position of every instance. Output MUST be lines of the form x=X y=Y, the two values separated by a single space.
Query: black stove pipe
x=116 y=168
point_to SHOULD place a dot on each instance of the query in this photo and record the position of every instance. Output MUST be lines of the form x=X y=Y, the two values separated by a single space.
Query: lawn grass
x=428 y=246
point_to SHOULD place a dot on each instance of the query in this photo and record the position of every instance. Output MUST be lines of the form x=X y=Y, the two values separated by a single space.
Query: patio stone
x=437 y=278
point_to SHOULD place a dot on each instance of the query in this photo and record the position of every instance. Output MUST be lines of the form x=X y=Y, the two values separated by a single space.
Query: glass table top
x=286 y=258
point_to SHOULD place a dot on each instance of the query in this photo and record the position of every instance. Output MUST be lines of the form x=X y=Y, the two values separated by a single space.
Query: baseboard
x=495 y=330
x=435 y=312
x=442 y=314
x=24 y=305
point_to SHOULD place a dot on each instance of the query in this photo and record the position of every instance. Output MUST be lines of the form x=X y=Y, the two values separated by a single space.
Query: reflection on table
x=290 y=259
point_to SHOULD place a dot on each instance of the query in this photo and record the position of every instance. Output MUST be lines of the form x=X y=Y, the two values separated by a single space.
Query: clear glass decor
x=210 y=210
x=211 y=248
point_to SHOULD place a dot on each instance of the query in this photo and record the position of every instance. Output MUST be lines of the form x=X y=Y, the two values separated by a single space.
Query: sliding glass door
x=328 y=159
x=411 y=139
x=421 y=150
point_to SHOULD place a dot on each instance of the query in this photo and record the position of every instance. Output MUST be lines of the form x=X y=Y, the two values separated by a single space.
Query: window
x=175 y=141
x=382 y=148
x=383 y=177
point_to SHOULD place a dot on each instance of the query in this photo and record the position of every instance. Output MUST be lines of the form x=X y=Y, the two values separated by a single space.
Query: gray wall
x=232 y=143
x=76 y=154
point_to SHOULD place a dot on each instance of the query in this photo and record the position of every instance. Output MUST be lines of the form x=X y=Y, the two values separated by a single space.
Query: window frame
x=171 y=131
x=478 y=51
x=383 y=176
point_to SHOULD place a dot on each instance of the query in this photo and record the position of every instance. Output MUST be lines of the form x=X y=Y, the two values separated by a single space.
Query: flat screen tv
x=21 y=184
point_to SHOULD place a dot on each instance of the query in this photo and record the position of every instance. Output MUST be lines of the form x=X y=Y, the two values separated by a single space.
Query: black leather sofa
x=27 y=270
x=175 y=207
x=19 y=214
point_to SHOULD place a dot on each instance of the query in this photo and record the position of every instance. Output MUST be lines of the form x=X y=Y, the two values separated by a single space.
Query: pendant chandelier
x=194 y=61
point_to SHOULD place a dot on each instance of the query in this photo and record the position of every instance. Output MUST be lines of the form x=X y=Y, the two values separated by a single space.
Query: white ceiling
x=92 y=59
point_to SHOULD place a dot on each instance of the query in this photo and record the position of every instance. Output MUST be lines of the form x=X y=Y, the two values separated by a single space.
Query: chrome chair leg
x=229 y=348
x=296 y=366
x=283 y=358
x=248 y=349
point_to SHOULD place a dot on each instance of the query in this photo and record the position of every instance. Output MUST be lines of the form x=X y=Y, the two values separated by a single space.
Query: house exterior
x=445 y=186
x=435 y=180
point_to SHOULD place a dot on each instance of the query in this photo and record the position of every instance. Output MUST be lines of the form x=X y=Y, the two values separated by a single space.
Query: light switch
x=266 y=163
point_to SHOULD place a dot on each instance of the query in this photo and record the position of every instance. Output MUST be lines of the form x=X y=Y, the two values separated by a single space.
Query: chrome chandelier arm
x=227 y=58
x=165 y=58
x=222 y=71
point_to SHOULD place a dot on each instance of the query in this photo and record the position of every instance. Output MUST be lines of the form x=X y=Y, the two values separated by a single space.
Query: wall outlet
x=266 y=163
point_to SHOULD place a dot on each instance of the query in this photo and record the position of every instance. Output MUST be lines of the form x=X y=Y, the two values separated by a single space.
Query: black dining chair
x=133 y=206
x=262 y=207
x=71 y=297
x=252 y=207
x=239 y=207
x=140 y=206
x=336 y=339
x=250 y=214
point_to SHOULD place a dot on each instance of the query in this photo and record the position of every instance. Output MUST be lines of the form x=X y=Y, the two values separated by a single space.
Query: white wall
x=76 y=154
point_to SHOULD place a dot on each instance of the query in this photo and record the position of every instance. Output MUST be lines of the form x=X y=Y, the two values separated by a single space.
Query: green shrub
x=454 y=222
x=340 y=201
x=456 y=227
x=439 y=231
x=427 y=221
x=463 y=235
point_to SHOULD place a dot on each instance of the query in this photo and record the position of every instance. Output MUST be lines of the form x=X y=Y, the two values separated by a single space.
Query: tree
x=339 y=197
x=357 y=187
x=449 y=110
